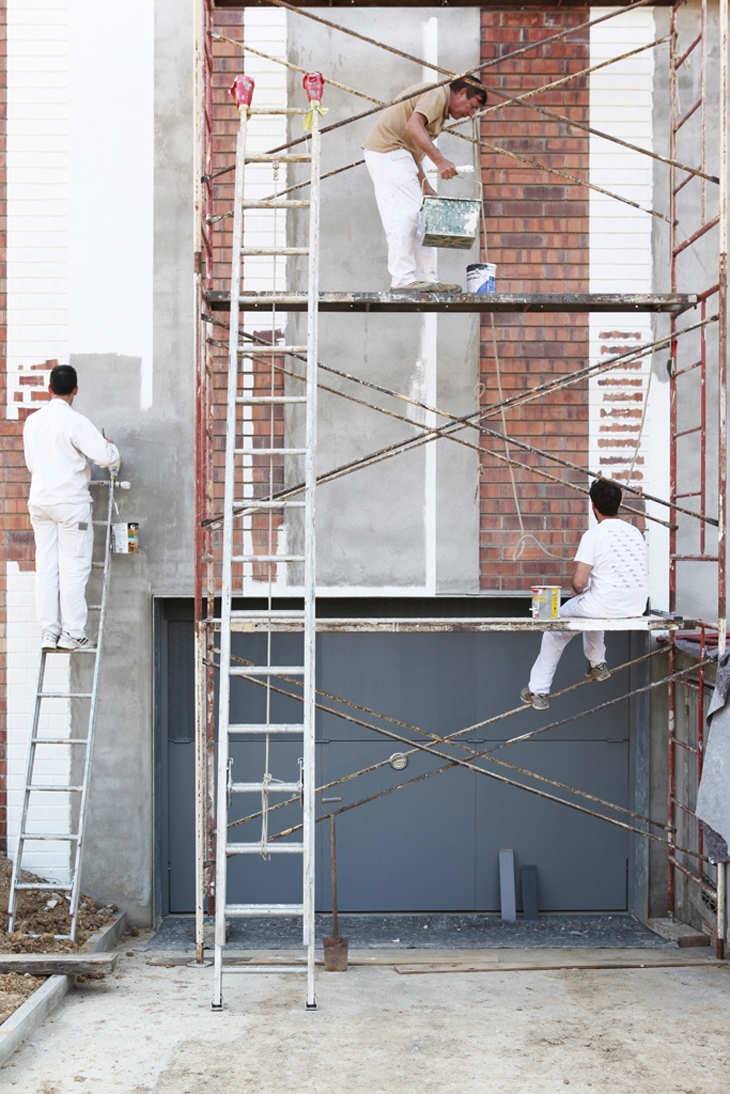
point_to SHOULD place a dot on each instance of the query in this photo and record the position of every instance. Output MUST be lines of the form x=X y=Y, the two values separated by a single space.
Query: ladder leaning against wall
x=43 y=748
x=256 y=466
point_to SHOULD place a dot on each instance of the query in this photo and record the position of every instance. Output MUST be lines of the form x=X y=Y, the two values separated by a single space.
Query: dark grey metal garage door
x=434 y=845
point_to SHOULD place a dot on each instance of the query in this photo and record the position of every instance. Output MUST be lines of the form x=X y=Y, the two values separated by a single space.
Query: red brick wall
x=537 y=231
x=226 y=61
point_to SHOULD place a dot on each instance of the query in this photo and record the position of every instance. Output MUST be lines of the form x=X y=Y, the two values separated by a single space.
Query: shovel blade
x=335 y=954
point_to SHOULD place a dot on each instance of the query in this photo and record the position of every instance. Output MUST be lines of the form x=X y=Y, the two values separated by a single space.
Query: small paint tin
x=545 y=601
x=125 y=538
x=481 y=277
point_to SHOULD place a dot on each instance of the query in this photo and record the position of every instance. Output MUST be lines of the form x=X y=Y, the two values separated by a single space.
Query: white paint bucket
x=545 y=601
x=481 y=277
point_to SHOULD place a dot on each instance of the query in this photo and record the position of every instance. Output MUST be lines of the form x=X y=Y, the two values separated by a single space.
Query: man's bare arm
x=579 y=580
x=416 y=130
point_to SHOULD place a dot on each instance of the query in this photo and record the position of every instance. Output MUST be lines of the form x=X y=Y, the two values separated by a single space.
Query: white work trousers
x=554 y=642
x=64 y=542
x=398 y=195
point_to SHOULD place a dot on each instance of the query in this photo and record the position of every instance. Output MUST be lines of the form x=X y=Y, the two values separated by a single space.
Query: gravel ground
x=149 y=1030
x=427 y=930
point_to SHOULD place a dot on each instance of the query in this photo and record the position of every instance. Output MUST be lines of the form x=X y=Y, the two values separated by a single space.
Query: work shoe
x=417 y=286
x=597 y=672
x=538 y=702
x=49 y=640
x=66 y=642
x=441 y=286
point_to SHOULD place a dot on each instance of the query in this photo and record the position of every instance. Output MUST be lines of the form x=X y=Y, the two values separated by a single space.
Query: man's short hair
x=606 y=496
x=472 y=86
x=63 y=379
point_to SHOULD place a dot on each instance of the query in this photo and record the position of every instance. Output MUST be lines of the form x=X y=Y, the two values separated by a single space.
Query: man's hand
x=428 y=189
x=446 y=169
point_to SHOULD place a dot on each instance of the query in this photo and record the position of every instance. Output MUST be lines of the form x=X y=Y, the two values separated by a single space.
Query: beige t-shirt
x=389 y=131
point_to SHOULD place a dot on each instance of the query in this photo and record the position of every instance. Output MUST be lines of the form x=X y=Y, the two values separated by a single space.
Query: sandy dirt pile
x=41 y=915
x=15 y=988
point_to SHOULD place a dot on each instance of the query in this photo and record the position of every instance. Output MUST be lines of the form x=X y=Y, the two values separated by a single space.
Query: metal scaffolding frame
x=683 y=847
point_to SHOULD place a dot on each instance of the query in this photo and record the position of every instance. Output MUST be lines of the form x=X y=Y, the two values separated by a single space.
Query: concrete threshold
x=46 y=998
x=446 y=960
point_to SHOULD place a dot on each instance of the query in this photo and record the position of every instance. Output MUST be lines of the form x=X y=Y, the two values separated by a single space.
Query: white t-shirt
x=619 y=580
x=57 y=441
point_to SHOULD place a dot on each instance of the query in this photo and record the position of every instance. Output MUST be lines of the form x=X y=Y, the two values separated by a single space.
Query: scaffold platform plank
x=674 y=303
x=364 y=624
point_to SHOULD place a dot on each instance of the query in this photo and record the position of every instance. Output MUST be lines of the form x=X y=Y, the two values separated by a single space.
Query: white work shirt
x=619 y=580
x=58 y=444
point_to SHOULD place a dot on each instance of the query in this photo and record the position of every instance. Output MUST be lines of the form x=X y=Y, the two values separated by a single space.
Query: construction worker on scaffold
x=394 y=151
x=610 y=580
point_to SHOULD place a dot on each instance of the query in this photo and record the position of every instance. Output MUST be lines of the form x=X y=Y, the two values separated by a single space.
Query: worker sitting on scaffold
x=610 y=581
x=394 y=149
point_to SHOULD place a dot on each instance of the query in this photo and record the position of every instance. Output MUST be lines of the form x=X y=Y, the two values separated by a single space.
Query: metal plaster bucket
x=545 y=601
x=481 y=277
x=450 y=222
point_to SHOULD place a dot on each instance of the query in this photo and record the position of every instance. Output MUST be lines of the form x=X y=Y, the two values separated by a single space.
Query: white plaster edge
x=46 y=998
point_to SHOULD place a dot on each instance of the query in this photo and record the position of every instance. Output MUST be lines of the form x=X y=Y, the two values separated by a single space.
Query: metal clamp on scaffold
x=242 y=91
x=313 y=84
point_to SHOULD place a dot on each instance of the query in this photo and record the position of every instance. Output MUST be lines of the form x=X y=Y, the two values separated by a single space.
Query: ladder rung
x=283 y=203
x=267 y=558
x=275 y=613
x=270 y=451
x=94 y=607
x=64 y=694
x=252 y=399
x=275 y=110
x=253 y=503
x=270 y=848
x=257 y=351
x=264 y=909
x=28 y=836
x=54 y=789
x=84 y=649
x=34 y=886
x=272 y=157
x=59 y=741
x=262 y=968
x=99 y=523
x=273 y=788
x=268 y=670
x=97 y=565
x=264 y=728
x=274 y=250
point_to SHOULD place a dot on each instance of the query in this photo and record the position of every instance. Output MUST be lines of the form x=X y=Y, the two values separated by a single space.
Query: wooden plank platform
x=675 y=303
x=58 y=964
x=409 y=962
x=467 y=625
x=556 y=959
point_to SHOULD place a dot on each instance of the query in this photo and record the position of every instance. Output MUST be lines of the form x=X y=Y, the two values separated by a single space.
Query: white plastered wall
x=621 y=262
x=79 y=268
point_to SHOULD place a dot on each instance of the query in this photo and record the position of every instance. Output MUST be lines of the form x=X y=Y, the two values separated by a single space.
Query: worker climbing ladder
x=256 y=462
x=42 y=746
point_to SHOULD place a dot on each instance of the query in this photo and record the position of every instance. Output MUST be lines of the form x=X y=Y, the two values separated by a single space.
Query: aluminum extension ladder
x=242 y=394
x=81 y=751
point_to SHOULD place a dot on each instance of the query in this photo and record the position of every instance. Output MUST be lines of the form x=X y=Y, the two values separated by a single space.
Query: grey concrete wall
x=156 y=446
x=372 y=525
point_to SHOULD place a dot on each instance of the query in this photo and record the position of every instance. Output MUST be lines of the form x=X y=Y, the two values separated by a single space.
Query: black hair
x=63 y=379
x=472 y=85
x=606 y=496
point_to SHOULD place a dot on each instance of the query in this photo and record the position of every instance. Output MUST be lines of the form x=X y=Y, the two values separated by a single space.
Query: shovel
x=335 y=948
